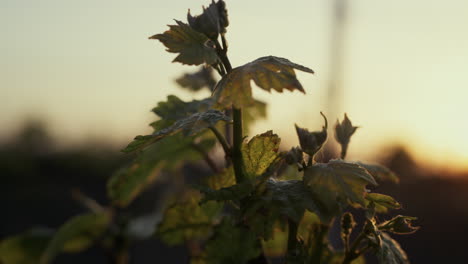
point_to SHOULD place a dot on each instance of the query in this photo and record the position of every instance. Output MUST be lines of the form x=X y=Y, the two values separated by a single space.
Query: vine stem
x=222 y=141
x=292 y=237
x=319 y=244
x=351 y=254
x=209 y=161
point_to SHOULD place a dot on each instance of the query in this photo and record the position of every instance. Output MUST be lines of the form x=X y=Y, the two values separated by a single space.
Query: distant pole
x=335 y=87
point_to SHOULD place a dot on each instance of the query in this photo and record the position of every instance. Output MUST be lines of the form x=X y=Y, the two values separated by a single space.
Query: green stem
x=344 y=150
x=222 y=141
x=320 y=244
x=292 y=238
x=237 y=145
x=351 y=254
x=209 y=161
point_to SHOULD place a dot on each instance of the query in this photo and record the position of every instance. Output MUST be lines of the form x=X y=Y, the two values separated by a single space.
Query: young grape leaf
x=188 y=126
x=203 y=78
x=270 y=72
x=400 y=225
x=188 y=220
x=24 y=248
x=382 y=202
x=194 y=48
x=379 y=172
x=174 y=108
x=222 y=180
x=169 y=153
x=390 y=251
x=280 y=200
x=212 y=22
x=231 y=244
x=77 y=234
x=312 y=142
x=338 y=183
x=234 y=192
x=259 y=153
x=343 y=133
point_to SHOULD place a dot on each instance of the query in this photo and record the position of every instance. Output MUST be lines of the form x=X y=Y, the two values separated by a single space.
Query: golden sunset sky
x=88 y=68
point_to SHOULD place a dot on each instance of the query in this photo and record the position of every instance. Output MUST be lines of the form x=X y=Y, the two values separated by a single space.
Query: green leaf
x=194 y=48
x=259 y=153
x=343 y=133
x=390 y=251
x=382 y=202
x=212 y=22
x=277 y=245
x=25 y=248
x=231 y=244
x=77 y=234
x=270 y=72
x=189 y=126
x=188 y=220
x=379 y=172
x=124 y=186
x=174 y=108
x=198 y=80
x=231 y=193
x=400 y=225
x=338 y=183
x=312 y=142
x=221 y=180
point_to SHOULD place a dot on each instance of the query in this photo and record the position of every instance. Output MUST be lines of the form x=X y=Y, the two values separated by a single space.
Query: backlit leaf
x=280 y=200
x=399 y=225
x=343 y=133
x=194 y=48
x=382 y=202
x=222 y=180
x=231 y=244
x=338 y=183
x=188 y=126
x=77 y=234
x=203 y=78
x=379 y=172
x=259 y=153
x=267 y=72
x=390 y=251
x=188 y=220
x=312 y=142
x=25 y=248
x=174 y=108
x=169 y=153
x=212 y=22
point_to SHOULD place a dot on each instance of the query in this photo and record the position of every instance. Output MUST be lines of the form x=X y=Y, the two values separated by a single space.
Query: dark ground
x=37 y=183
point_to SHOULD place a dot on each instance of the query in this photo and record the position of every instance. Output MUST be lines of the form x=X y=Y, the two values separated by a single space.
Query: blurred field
x=38 y=178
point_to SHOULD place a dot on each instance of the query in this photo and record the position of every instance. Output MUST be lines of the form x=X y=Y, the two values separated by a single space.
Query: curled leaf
x=312 y=142
x=212 y=22
x=379 y=172
x=294 y=156
x=259 y=153
x=187 y=220
x=203 y=78
x=270 y=72
x=343 y=133
x=77 y=234
x=194 y=48
x=399 y=225
x=338 y=183
x=390 y=251
x=188 y=126
x=382 y=202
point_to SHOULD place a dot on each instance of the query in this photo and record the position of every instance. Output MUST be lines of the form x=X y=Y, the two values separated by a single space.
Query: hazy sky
x=88 y=67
